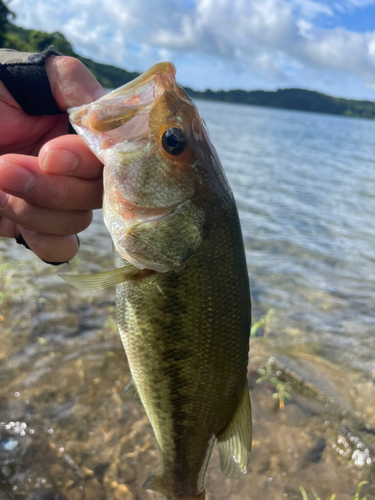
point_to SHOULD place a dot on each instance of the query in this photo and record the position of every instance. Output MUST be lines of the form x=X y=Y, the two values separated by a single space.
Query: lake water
x=305 y=188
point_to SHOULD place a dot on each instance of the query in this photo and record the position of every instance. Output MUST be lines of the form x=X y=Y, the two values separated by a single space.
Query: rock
x=122 y=493
x=86 y=472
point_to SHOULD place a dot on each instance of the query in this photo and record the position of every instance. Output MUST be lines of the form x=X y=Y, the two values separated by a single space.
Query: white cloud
x=271 y=67
x=165 y=54
x=311 y=9
x=360 y=3
x=305 y=29
x=278 y=41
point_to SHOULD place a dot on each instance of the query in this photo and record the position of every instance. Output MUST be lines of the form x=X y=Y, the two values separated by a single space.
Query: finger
x=21 y=176
x=69 y=155
x=49 y=247
x=8 y=229
x=43 y=220
x=71 y=82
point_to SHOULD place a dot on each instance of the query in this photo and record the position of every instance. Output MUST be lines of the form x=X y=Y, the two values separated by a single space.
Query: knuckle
x=19 y=212
x=59 y=196
x=72 y=64
x=7 y=228
x=24 y=215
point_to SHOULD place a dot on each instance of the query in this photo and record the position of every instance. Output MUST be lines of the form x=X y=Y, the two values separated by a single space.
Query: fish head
x=159 y=167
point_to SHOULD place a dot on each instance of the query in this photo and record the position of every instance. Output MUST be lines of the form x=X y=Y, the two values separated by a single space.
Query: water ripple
x=304 y=185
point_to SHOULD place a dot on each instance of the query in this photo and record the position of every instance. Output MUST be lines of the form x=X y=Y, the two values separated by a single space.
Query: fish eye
x=174 y=141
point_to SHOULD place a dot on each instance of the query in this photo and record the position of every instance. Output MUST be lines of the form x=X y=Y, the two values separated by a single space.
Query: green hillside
x=14 y=37
x=297 y=99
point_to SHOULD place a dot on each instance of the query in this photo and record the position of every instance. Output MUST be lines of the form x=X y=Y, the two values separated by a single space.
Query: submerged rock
x=324 y=390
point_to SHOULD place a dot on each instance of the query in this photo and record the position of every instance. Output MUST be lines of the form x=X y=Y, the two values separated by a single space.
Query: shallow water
x=304 y=185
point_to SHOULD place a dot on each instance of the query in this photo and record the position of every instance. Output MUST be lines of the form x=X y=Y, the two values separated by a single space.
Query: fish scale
x=179 y=312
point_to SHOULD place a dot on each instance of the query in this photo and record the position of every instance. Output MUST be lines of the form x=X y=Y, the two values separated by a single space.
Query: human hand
x=49 y=182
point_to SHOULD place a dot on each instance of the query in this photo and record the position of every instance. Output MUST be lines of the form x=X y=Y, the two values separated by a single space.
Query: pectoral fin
x=234 y=443
x=94 y=282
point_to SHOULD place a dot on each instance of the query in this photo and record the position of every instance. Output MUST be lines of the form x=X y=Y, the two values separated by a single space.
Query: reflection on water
x=304 y=185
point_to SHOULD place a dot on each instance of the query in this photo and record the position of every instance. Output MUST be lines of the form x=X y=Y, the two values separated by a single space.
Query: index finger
x=72 y=84
x=68 y=155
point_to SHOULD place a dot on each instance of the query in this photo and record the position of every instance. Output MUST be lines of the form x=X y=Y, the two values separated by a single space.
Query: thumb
x=71 y=82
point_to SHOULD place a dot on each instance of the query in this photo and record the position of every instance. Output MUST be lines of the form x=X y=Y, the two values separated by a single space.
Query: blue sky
x=354 y=19
x=323 y=45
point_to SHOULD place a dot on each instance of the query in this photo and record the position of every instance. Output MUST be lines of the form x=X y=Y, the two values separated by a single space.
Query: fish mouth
x=98 y=122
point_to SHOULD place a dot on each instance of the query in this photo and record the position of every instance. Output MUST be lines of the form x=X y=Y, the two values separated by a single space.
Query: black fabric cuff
x=25 y=77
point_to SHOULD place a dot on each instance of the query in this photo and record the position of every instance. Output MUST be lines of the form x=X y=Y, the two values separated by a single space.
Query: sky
x=323 y=45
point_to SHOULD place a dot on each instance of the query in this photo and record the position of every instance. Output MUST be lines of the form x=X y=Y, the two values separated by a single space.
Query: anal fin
x=234 y=443
x=156 y=482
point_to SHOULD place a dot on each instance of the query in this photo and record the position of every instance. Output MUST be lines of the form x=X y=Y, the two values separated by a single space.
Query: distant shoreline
x=292 y=99
x=27 y=40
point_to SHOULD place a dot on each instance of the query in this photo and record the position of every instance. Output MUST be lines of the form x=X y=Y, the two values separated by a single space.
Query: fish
x=182 y=286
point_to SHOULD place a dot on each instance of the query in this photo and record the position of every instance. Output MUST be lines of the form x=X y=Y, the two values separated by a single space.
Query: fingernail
x=60 y=161
x=16 y=179
x=3 y=198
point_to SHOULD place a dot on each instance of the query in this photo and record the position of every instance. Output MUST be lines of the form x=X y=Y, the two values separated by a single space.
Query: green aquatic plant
x=316 y=497
x=282 y=389
x=305 y=497
x=358 y=491
x=265 y=322
x=266 y=374
x=16 y=291
x=42 y=341
x=111 y=323
x=11 y=283
x=282 y=392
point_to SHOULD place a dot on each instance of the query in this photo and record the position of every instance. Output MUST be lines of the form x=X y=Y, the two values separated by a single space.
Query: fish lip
x=167 y=68
x=164 y=72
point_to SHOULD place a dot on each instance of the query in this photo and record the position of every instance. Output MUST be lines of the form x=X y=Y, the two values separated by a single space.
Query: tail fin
x=156 y=482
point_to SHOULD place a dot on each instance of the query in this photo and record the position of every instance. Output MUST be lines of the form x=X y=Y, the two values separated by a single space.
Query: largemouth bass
x=182 y=288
